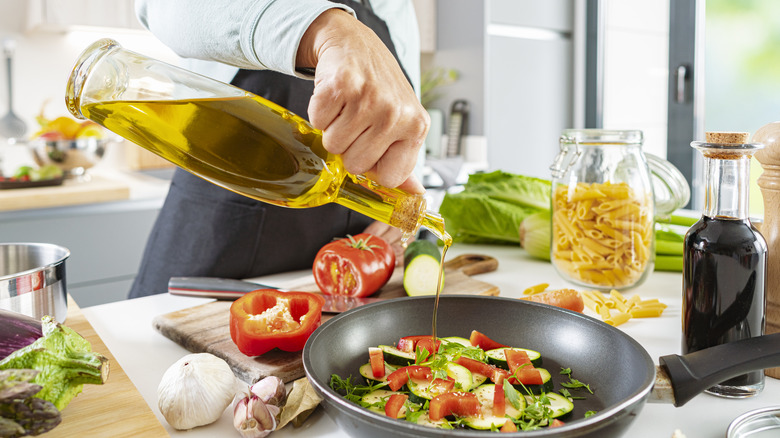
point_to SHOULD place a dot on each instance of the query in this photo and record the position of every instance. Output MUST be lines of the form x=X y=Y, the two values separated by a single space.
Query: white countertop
x=144 y=354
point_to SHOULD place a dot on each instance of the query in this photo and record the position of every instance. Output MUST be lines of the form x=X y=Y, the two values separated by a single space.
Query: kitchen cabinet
x=62 y=15
x=106 y=242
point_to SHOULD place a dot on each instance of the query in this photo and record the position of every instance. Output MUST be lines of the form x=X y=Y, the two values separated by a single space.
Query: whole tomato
x=356 y=266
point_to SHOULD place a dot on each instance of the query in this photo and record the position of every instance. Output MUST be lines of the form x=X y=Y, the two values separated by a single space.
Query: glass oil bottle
x=229 y=137
x=724 y=260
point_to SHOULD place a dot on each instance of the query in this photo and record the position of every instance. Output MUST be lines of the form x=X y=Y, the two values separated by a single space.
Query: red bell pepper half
x=267 y=318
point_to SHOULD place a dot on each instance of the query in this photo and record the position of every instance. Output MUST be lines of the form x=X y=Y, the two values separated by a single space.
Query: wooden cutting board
x=205 y=328
x=115 y=408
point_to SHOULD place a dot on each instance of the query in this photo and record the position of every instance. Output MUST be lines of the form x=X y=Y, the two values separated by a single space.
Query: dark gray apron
x=205 y=230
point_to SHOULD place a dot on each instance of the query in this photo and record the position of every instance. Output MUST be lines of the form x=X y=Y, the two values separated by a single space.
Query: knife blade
x=231 y=289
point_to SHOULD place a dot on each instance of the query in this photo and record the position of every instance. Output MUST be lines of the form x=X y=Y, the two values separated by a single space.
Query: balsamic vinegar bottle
x=724 y=260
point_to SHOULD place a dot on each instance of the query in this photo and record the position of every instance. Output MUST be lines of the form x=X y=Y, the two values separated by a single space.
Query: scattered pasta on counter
x=535 y=289
x=615 y=309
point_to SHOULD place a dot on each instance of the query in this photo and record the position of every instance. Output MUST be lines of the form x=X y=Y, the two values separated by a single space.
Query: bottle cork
x=769 y=183
x=727 y=137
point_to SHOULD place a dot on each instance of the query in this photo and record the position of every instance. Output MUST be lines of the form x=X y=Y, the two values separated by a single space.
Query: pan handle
x=692 y=373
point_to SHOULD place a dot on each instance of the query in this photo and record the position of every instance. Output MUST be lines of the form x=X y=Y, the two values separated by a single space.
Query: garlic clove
x=270 y=390
x=252 y=418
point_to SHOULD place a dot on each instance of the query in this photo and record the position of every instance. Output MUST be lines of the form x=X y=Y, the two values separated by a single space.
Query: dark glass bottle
x=724 y=263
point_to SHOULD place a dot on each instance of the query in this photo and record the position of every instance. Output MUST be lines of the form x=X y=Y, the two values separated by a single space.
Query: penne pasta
x=602 y=234
x=535 y=289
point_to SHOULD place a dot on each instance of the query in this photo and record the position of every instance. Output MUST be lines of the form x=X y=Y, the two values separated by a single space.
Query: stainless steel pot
x=32 y=279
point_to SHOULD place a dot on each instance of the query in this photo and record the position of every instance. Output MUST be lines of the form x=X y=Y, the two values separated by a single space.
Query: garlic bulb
x=195 y=390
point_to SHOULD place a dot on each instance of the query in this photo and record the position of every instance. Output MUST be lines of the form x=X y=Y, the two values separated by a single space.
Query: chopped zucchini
x=487 y=420
x=368 y=374
x=394 y=356
x=496 y=357
x=559 y=404
x=376 y=400
x=419 y=393
x=421 y=268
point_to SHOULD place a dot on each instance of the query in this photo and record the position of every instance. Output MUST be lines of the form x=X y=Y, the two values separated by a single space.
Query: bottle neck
x=391 y=206
x=727 y=187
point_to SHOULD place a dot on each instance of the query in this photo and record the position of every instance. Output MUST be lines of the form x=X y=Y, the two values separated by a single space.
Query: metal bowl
x=74 y=157
x=32 y=279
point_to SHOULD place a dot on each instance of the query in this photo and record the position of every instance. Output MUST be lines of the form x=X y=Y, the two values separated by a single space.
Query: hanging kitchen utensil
x=11 y=126
x=459 y=114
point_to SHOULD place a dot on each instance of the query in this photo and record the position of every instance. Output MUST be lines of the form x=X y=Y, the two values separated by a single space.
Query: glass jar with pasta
x=602 y=209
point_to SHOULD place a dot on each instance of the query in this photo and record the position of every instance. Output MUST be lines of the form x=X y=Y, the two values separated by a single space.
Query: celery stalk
x=668 y=263
x=666 y=247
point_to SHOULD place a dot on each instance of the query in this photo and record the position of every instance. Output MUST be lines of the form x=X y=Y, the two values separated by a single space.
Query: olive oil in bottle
x=227 y=136
x=724 y=261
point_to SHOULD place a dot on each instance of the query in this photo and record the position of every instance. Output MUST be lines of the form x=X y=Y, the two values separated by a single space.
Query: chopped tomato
x=377 y=360
x=564 y=298
x=398 y=378
x=394 y=405
x=499 y=402
x=557 y=423
x=517 y=358
x=409 y=344
x=440 y=386
x=527 y=376
x=461 y=404
x=509 y=426
x=478 y=339
x=487 y=370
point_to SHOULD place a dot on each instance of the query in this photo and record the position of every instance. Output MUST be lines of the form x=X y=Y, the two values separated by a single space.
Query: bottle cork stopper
x=727 y=137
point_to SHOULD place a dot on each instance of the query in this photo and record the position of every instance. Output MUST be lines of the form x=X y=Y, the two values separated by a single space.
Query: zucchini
x=368 y=374
x=496 y=357
x=376 y=400
x=464 y=381
x=421 y=268
x=394 y=356
x=546 y=386
x=487 y=420
x=559 y=404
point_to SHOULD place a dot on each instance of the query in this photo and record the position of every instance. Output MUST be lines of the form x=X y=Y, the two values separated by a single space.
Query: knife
x=231 y=289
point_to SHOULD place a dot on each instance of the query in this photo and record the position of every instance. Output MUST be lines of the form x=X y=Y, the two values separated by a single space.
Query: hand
x=390 y=235
x=367 y=110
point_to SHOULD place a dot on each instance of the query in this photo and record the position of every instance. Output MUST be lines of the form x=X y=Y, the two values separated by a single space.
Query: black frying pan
x=619 y=370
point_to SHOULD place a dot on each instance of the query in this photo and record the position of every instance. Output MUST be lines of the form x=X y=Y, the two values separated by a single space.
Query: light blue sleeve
x=251 y=34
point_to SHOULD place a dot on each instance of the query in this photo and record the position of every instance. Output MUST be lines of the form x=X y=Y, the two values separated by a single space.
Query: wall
x=460 y=38
x=43 y=59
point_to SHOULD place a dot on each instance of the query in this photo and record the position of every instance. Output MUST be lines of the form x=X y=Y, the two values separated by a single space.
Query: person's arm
x=250 y=34
x=362 y=102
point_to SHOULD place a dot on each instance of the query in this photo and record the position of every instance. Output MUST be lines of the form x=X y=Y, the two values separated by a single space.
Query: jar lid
x=758 y=423
x=602 y=136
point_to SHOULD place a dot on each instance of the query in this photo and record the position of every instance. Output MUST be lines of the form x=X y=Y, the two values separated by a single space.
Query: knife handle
x=208 y=287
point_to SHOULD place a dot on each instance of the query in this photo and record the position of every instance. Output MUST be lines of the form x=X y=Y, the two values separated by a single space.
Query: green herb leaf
x=512 y=395
x=589 y=413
